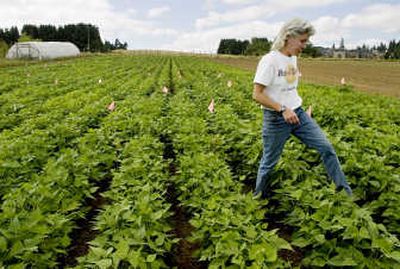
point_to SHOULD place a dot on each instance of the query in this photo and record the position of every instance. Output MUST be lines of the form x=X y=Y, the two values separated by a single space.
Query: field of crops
x=155 y=180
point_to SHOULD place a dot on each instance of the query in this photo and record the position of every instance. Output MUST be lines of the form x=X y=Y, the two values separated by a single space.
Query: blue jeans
x=275 y=134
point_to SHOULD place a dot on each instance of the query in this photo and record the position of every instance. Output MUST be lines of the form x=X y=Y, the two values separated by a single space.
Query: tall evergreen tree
x=47 y=32
x=95 y=41
x=382 y=47
x=30 y=30
x=393 y=51
x=232 y=46
x=223 y=47
x=10 y=36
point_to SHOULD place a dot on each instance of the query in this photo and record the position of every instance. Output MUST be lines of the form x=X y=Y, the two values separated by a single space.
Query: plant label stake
x=165 y=90
x=211 y=106
x=111 y=106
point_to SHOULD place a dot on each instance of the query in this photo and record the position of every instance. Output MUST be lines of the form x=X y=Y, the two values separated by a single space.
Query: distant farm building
x=359 y=52
x=42 y=50
x=340 y=52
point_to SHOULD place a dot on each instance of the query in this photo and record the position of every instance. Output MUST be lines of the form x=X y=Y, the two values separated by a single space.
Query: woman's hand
x=309 y=111
x=290 y=117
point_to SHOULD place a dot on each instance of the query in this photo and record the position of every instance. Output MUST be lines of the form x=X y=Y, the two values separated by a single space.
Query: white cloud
x=370 y=42
x=244 y=14
x=258 y=11
x=158 y=11
x=294 y=4
x=238 y=2
x=208 y=40
x=370 y=25
x=382 y=17
x=131 y=11
x=112 y=24
x=284 y=4
x=209 y=4
x=328 y=31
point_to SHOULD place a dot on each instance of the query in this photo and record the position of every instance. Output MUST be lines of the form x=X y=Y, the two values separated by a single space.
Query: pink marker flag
x=211 y=106
x=343 y=81
x=164 y=89
x=111 y=106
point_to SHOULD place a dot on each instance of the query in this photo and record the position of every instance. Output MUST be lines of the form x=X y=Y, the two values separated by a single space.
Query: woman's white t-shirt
x=279 y=74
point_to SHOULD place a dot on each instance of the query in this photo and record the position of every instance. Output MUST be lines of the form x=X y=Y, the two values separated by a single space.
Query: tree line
x=85 y=36
x=257 y=46
x=260 y=46
x=393 y=50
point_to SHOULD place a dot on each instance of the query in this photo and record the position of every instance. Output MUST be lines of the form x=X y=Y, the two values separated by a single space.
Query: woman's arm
x=261 y=98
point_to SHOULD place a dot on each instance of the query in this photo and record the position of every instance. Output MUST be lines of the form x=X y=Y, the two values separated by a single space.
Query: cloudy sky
x=198 y=26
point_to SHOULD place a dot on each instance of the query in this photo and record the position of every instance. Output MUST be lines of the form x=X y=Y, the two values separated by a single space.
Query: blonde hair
x=292 y=28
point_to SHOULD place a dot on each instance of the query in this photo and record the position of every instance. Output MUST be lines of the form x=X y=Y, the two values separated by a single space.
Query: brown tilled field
x=373 y=76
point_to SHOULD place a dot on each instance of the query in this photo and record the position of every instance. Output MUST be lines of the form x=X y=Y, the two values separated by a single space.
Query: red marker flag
x=111 y=106
x=211 y=106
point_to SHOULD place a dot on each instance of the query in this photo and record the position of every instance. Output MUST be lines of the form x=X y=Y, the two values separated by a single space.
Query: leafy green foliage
x=58 y=142
x=331 y=230
x=227 y=224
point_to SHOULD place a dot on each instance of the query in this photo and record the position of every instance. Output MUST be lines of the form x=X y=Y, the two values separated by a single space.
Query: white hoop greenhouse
x=42 y=50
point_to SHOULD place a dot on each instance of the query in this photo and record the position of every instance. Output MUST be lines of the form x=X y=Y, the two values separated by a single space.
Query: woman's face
x=296 y=44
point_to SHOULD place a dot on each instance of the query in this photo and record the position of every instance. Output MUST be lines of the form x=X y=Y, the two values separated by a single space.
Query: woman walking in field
x=275 y=88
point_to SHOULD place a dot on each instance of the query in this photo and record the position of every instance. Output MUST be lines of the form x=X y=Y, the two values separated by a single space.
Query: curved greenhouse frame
x=42 y=50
